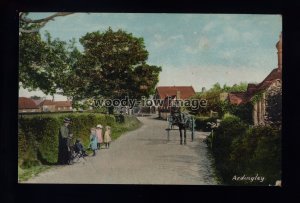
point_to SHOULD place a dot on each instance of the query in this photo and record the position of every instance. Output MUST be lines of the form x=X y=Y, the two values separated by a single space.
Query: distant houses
x=28 y=105
x=169 y=93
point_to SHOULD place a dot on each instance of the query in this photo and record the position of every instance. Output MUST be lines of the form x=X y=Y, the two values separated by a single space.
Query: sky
x=192 y=49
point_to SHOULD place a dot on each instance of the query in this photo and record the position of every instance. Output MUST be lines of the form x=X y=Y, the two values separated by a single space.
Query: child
x=79 y=148
x=93 y=141
x=99 y=135
x=107 y=137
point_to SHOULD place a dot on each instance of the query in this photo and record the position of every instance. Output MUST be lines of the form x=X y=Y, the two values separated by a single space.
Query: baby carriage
x=77 y=151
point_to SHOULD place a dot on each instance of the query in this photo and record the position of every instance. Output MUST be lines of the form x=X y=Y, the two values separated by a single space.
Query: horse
x=184 y=121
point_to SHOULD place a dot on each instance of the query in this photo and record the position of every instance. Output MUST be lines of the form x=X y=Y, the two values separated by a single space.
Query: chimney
x=178 y=95
x=279 y=53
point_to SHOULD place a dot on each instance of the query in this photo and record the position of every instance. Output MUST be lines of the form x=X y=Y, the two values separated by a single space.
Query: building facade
x=260 y=94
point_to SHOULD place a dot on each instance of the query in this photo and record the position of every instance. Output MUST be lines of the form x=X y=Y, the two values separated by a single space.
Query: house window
x=277 y=83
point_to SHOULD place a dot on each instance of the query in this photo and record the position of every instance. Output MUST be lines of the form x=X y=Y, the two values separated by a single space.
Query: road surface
x=143 y=156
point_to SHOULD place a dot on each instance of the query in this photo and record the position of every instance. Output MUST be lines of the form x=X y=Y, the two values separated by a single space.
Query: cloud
x=203 y=43
x=162 y=41
x=209 y=26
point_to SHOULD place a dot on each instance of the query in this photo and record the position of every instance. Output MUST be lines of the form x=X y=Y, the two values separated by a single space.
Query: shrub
x=231 y=128
x=202 y=123
x=253 y=151
x=243 y=111
x=38 y=135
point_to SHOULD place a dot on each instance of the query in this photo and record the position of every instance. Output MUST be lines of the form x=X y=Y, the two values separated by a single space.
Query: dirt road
x=143 y=156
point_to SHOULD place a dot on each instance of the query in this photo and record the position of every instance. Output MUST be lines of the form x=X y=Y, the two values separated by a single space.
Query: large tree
x=113 y=65
x=45 y=64
x=28 y=25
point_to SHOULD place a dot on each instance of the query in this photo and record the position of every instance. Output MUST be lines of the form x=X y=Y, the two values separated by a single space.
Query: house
x=63 y=106
x=169 y=93
x=259 y=93
x=47 y=106
x=55 y=106
x=27 y=105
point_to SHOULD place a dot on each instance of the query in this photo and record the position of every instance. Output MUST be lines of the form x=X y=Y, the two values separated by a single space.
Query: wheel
x=75 y=157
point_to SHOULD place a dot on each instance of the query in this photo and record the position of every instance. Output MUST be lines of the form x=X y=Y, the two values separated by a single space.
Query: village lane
x=143 y=156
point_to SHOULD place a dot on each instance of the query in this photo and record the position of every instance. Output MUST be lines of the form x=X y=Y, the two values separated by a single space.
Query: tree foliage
x=28 y=25
x=274 y=107
x=113 y=65
x=213 y=100
x=45 y=65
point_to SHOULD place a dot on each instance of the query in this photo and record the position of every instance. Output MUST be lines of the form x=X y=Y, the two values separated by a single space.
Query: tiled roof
x=26 y=103
x=252 y=89
x=185 y=91
x=47 y=102
x=238 y=97
x=37 y=101
x=63 y=103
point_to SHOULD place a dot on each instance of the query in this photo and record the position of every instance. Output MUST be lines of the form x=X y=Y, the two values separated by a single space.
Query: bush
x=38 y=135
x=231 y=128
x=201 y=123
x=238 y=151
x=243 y=111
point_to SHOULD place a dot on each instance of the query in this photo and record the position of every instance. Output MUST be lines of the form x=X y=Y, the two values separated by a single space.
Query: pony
x=183 y=120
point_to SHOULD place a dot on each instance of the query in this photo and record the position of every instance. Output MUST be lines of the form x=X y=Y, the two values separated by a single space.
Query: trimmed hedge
x=38 y=135
x=239 y=151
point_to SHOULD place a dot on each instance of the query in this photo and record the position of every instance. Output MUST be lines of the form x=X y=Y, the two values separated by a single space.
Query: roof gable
x=185 y=91
x=26 y=103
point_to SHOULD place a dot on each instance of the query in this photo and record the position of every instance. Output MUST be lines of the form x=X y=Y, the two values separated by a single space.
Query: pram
x=77 y=152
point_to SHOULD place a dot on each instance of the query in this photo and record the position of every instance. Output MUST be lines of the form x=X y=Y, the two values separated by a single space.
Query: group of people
x=65 y=141
x=96 y=138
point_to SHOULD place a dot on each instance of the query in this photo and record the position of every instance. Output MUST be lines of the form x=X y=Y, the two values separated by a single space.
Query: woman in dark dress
x=64 y=136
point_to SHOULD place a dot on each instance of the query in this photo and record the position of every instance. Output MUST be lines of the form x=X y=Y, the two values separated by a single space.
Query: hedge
x=38 y=135
x=202 y=123
x=240 y=150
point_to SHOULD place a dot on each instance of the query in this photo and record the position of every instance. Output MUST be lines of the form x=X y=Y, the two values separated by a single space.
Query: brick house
x=63 y=106
x=27 y=105
x=55 y=106
x=169 y=93
x=271 y=85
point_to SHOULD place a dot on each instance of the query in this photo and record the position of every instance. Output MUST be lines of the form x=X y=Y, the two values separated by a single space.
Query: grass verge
x=27 y=173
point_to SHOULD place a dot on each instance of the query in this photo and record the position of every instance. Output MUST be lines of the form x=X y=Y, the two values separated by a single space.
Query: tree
x=274 y=106
x=236 y=88
x=28 y=25
x=45 y=65
x=215 y=104
x=113 y=65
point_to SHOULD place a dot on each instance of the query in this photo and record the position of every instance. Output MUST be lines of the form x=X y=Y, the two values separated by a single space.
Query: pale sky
x=192 y=49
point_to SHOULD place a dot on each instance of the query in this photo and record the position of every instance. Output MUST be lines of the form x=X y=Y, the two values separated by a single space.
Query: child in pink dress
x=99 y=136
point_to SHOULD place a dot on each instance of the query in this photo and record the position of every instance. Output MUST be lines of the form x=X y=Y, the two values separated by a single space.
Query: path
x=143 y=156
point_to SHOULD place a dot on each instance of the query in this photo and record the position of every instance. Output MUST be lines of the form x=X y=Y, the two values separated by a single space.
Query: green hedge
x=238 y=150
x=201 y=123
x=38 y=135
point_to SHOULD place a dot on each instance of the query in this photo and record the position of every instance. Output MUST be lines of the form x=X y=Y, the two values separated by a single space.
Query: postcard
x=150 y=98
